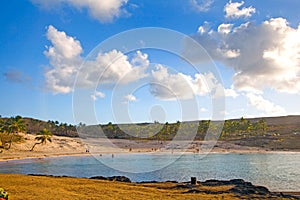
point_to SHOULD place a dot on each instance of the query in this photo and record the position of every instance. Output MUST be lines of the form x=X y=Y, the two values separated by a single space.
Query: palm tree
x=15 y=125
x=1 y=125
x=43 y=136
x=2 y=130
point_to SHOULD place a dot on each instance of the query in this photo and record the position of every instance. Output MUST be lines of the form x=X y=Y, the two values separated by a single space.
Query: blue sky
x=254 y=45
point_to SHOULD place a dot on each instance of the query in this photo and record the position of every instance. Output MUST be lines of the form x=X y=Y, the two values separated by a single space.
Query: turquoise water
x=278 y=171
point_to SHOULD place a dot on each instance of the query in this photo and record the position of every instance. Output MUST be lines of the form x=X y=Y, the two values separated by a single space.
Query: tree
x=2 y=130
x=43 y=136
x=263 y=126
x=15 y=125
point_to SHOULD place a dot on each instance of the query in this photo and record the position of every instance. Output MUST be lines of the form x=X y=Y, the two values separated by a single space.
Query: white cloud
x=65 y=60
x=97 y=94
x=233 y=10
x=225 y=28
x=140 y=60
x=229 y=53
x=130 y=98
x=264 y=105
x=102 y=10
x=263 y=56
x=218 y=91
x=203 y=110
x=112 y=67
x=230 y=92
x=205 y=28
x=108 y=68
x=171 y=86
x=201 y=5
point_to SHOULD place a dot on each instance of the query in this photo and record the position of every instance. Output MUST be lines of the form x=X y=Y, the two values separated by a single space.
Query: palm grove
x=11 y=128
x=231 y=129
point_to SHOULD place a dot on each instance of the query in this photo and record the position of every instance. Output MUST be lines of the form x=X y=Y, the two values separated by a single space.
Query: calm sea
x=277 y=171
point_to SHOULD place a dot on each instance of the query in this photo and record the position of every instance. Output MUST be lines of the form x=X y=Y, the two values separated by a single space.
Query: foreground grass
x=40 y=187
x=36 y=187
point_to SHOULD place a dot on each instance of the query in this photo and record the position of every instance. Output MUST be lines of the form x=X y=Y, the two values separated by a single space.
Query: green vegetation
x=15 y=125
x=3 y=194
x=273 y=133
x=167 y=131
x=43 y=136
x=11 y=127
x=9 y=131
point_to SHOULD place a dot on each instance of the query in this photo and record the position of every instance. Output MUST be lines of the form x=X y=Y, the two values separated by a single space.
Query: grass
x=64 y=188
x=39 y=187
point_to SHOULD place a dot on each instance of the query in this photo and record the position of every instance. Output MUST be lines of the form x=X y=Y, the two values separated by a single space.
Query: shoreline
x=20 y=186
x=43 y=155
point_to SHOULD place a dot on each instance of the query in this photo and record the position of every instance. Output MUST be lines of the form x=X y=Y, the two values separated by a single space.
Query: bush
x=5 y=139
x=3 y=194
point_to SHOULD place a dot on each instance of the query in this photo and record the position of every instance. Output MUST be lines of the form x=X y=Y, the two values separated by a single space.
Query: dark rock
x=213 y=182
x=46 y=175
x=99 y=178
x=262 y=190
x=120 y=179
x=204 y=191
x=149 y=182
x=237 y=182
x=241 y=187
x=113 y=178
x=249 y=189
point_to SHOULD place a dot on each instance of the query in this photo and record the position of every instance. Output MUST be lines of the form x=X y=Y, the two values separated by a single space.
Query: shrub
x=3 y=194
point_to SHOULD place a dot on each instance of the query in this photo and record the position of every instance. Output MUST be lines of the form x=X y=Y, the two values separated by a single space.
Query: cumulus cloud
x=234 y=10
x=64 y=57
x=103 y=10
x=170 y=86
x=130 y=98
x=112 y=67
x=225 y=28
x=230 y=92
x=203 y=29
x=264 y=105
x=97 y=95
x=108 y=68
x=201 y=5
x=263 y=56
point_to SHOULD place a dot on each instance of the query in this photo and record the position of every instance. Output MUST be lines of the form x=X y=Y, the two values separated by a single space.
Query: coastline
x=66 y=146
x=43 y=155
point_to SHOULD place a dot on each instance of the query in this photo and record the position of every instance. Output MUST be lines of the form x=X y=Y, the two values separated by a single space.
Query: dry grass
x=35 y=187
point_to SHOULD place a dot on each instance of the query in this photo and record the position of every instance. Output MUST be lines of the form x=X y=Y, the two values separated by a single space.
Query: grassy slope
x=40 y=187
x=32 y=187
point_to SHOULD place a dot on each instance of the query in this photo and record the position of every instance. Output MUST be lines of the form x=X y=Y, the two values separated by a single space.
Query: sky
x=126 y=61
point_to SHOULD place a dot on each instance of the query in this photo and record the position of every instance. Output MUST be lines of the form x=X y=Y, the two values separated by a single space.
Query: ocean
x=276 y=171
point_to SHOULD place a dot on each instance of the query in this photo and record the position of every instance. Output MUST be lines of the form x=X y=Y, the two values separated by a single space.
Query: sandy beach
x=68 y=187
x=67 y=146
